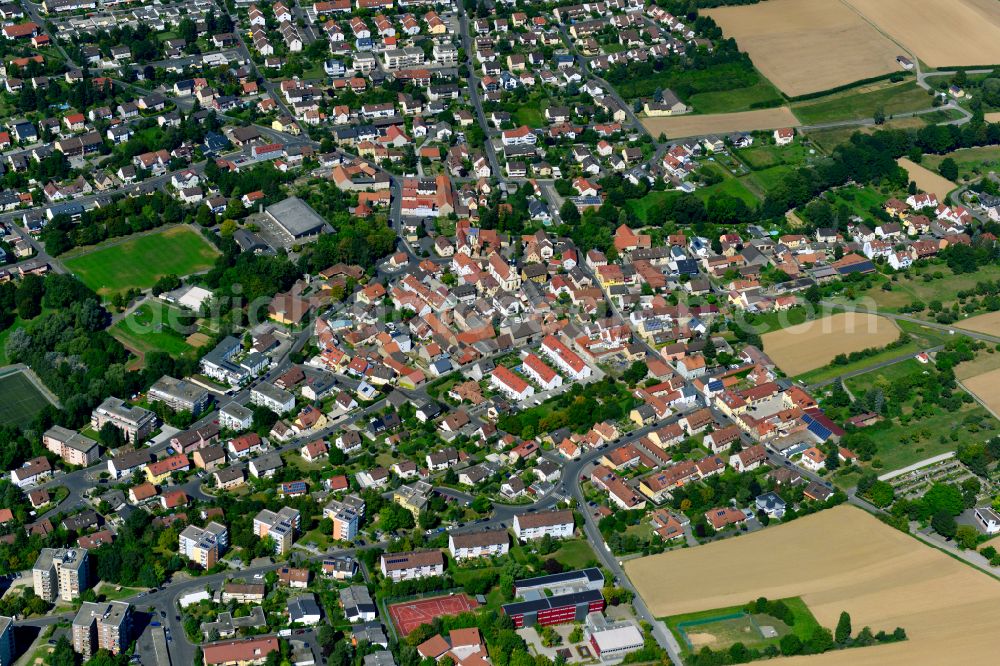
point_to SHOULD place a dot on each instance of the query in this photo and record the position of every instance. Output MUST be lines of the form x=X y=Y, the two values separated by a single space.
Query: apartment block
x=7 y=646
x=280 y=526
x=102 y=626
x=204 y=545
x=71 y=446
x=61 y=573
x=179 y=395
x=135 y=423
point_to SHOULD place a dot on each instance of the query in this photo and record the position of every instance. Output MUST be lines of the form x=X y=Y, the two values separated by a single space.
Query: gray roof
x=296 y=217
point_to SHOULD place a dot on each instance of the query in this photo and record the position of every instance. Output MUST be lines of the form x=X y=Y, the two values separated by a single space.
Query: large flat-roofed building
x=563 y=597
x=558 y=609
x=180 y=395
x=61 y=573
x=71 y=446
x=204 y=545
x=296 y=220
x=612 y=641
x=280 y=526
x=135 y=423
x=411 y=565
x=102 y=626
x=7 y=645
x=580 y=579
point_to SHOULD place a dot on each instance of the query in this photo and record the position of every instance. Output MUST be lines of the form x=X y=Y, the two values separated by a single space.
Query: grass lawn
x=729 y=185
x=762 y=156
x=532 y=116
x=863 y=102
x=770 y=178
x=575 y=554
x=139 y=261
x=20 y=401
x=149 y=328
x=734 y=630
x=111 y=594
x=971 y=161
x=641 y=207
x=738 y=99
x=765 y=322
x=18 y=323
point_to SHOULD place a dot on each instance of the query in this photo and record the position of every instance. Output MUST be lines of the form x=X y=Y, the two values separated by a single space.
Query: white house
x=558 y=524
x=478 y=544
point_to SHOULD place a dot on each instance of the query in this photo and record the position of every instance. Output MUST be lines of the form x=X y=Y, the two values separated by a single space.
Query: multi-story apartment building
x=71 y=446
x=179 y=395
x=61 y=573
x=478 y=544
x=135 y=423
x=204 y=545
x=280 y=526
x=102 y=626
x=557 y=524
x=7 y=646
x=411 y=565
x=270 y=396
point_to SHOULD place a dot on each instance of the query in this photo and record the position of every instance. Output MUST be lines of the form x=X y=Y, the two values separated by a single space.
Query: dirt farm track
x=815 y=343
x=836 y=560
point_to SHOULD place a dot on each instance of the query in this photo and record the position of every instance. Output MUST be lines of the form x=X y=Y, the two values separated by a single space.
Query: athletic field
x=139 y=261
x=20 y=401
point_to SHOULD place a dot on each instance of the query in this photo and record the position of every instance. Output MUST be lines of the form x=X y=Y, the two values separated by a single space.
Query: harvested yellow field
x=942 y=33
x=805 y=46
x=721 y=123
x=837 y=560
x=927 y=180
x=985 y=387
x=988 y=323
x=813 y=344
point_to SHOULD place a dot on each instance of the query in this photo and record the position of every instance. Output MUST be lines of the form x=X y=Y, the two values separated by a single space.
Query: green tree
x=843 y=632
x=29 y=296
x=944 y=524
x=948 y=169
x=790 y=645
x=569 y=213
x=944 y=497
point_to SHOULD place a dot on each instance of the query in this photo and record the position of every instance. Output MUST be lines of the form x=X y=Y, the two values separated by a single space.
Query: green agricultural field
x=762 y=156
x=20 y=401
x=139 y=261
x=756 y=96
x=861 y=103
x=971 y=162
x=153 y=326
